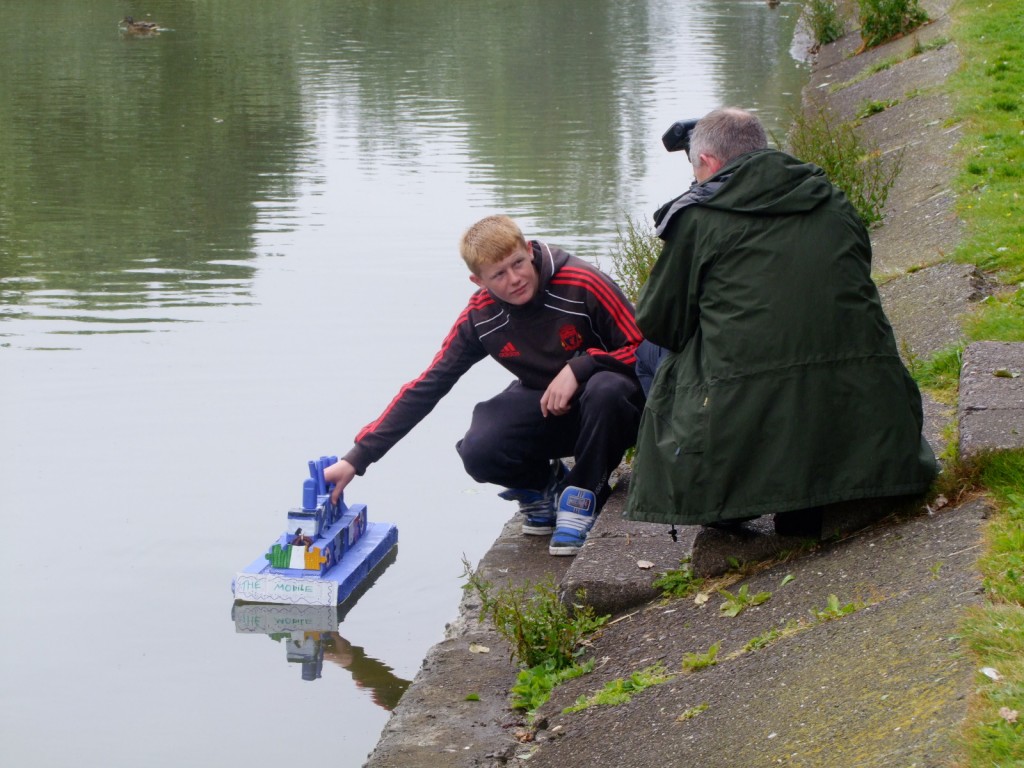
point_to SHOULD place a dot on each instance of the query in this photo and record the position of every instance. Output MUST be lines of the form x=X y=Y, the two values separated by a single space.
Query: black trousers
x=510 y=443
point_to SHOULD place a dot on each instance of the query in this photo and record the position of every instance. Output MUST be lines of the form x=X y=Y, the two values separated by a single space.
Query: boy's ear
x=476 y=281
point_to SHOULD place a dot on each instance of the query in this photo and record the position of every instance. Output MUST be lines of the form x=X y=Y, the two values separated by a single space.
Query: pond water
x=222 y=249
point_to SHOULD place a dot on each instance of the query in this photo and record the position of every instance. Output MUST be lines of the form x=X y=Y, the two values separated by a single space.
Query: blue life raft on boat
x=323 y=556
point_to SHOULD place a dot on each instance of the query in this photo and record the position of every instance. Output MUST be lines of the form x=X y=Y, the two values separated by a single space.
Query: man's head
x=721 y=136
x=497 y=254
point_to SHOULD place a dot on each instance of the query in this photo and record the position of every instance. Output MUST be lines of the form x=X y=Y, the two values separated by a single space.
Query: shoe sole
x=563 y=550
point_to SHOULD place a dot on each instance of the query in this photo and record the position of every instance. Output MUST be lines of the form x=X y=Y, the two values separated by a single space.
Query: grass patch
x=939 y=375
x=538 y=626
x=691 y=713
x=533 y=686
x=876 y=107
x=1001 y=319
x=990 y=104
x=544 y=635
x=621 y=690
x=1002 y=565
x=995 y=632
x=988 y=92
x=994 y=735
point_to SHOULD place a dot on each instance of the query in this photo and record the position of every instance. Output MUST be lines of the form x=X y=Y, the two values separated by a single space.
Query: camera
x=678 y=136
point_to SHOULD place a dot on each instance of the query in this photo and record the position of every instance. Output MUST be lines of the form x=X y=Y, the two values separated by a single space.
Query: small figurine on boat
x=325 y=553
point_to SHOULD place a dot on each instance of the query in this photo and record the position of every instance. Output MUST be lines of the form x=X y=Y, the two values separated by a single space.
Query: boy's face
x=512 y=280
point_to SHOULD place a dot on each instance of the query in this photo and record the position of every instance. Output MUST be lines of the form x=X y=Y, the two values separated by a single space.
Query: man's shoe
x=576 y=513
x=538 y=506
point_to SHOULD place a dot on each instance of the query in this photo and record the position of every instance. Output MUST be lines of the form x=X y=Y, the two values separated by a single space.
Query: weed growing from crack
x=533 y=686
x=538 y=626
x=678 y=583
x=695 y=661
x=691 y=713
x=734 y=605
x=833 y=610
x=544 y=634
x=621 y=690
x=763 y=640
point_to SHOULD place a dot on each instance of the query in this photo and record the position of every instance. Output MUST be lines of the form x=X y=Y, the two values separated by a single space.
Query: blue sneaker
x=576 y=513
x=538 y=506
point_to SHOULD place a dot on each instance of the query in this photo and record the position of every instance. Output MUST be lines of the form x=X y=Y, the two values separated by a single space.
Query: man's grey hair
x=726 y=134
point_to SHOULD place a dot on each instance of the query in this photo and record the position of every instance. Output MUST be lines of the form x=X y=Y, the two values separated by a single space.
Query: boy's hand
x=557 y=398
x=340 y=473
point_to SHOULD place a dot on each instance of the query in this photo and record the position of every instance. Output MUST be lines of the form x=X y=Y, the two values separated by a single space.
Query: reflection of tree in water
x=133 y=169
x=385 y=687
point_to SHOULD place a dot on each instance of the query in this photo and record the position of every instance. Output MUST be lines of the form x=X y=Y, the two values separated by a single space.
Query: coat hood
x=766 y=182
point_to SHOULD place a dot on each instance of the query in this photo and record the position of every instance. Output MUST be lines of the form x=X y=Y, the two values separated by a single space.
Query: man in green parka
x=781 y=388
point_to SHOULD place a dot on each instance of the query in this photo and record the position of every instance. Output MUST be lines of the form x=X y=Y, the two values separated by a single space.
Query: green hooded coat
x=783 y=388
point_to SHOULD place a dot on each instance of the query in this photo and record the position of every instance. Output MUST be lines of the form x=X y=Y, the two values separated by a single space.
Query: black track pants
x=510 y=443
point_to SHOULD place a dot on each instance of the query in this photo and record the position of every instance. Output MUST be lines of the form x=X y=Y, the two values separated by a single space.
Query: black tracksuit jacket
x=579 y=317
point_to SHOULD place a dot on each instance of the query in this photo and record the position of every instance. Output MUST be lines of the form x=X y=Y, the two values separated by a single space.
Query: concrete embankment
x=853 y=660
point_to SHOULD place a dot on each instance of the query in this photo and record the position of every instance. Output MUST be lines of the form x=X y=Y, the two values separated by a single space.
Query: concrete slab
x=880 y=686
x=622 y=558
x=717 y=551
x=920 y=225
x=434 y=724
x=991 y=404
x=926 y=307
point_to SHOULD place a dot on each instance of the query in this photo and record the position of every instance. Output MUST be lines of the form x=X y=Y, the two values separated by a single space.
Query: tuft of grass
x=695 y=661
x=939 y=375
x=734 y=605
x=885 y=20
x=824 y=21
x=763 y=640
x=544 y=635
x=680 y=582
x=533 y=686
x=833 y=610
x=538 y=626
x=958 y=478
x=692 y=712
x=857 y=169
x=876 y=107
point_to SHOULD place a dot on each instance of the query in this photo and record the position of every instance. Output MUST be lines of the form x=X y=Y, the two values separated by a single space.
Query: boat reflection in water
x=310 y=636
